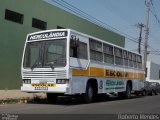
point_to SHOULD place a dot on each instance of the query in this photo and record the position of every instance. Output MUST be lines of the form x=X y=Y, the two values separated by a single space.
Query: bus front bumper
x=62 y=88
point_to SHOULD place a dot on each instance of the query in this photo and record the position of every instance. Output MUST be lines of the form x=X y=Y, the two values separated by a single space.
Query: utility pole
x=148 y=2
x=140 y=25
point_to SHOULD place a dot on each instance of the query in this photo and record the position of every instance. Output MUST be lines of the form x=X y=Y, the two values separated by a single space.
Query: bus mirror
x=77 y=43
x=74 y=43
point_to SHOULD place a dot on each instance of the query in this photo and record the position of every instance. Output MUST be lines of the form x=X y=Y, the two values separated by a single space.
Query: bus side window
x=118 y=56
x=73 y=52
x=108 y=53
x=82 y=50
x=130 y=59
x=125 y=56
x=139 y=61
x=79 y=51
x=73 y=48
x=134 y=61
x=96 y=50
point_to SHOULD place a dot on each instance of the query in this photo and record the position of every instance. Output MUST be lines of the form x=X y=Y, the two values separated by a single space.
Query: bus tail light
x=62 y=81
x=27 y=81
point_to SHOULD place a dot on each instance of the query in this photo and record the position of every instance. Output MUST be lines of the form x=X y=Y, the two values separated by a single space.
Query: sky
x=123 y=15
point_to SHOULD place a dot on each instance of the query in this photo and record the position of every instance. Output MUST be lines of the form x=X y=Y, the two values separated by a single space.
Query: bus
x=67 y=62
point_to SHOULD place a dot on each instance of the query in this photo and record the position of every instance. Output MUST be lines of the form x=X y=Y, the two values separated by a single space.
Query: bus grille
x=42 y=74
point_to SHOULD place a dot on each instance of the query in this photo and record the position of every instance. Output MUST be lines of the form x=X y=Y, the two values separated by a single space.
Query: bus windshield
x=42 y=54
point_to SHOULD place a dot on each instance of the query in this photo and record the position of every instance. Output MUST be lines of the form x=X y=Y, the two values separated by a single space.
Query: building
x=153 y=72
x=20 y=17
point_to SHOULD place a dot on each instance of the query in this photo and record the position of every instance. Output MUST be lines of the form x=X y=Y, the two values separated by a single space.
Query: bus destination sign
x=47 y=35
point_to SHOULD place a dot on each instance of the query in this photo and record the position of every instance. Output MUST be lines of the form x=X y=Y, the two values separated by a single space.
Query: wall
x=153 y=71
x=12 y=35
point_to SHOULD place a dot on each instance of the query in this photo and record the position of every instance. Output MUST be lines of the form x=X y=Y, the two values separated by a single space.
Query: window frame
x=125 y=58
x=39 y=24
x=118 y=53
x=78 y=51
x=14 y=16
x=110 y=54
x=97 y=50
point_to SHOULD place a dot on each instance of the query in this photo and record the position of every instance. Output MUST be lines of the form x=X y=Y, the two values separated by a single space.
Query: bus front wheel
x=88 y=96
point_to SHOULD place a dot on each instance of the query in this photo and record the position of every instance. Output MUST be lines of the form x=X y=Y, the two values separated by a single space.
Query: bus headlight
x=27 y=81
x=62 y=81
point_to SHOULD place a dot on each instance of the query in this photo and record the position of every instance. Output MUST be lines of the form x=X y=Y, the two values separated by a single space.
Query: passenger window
x=134 y=61
x=118 y=56
x=96 y=50
x=130 y=59
x=139 y=61
x=108 y=54
x=79 y=51
x=125 y=56
x=82 y=51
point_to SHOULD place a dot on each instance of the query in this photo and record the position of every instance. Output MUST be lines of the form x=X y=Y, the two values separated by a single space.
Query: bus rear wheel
x=144 y=93
x=127 y=93
x=89 y=95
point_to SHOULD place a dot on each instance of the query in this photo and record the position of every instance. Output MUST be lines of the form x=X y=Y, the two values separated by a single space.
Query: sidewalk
x=17 y=94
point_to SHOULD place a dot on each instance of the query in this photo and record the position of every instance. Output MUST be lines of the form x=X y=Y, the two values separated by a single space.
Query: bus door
x=79 y=47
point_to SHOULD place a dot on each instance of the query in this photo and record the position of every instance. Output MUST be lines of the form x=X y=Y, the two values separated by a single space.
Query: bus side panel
x=105 y=85
x=137 y=84
x=78 y=84
x=115 y=85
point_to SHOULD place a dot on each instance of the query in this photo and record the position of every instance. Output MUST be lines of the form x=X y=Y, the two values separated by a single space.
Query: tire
x=144 y=93
x=127 y=93
x=51 y=97
x=89 y=95
x=155 y=92
x=152 y=93
x=137 y=93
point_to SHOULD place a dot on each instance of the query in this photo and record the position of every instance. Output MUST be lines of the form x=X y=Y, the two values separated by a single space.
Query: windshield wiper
x=51 y=65
x=36 y=63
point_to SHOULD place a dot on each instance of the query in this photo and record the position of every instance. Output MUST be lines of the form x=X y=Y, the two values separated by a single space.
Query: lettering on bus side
x=112 y=73
x=47 y=35
x=114 y=84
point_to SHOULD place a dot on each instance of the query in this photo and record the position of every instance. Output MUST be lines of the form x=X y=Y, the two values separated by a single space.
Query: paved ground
x=148 y=104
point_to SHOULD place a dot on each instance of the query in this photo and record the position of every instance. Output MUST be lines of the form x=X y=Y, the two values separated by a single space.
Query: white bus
x=66 y=62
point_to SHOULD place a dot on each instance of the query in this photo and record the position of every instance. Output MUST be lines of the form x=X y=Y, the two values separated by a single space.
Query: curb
x=14 y=100
x=22 y=100
x=16 y=96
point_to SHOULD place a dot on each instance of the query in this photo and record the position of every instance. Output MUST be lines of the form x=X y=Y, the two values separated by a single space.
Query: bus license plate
x=43 y=85
x=41 y=88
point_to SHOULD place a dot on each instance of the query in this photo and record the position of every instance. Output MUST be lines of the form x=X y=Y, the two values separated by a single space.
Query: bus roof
x=55 y=33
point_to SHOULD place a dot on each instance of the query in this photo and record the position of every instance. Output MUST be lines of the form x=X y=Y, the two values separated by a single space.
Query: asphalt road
x=148 y=104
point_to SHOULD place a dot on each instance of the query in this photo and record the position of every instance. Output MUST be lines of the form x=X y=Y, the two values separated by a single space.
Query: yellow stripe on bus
x=77 y=72
x=101 y=72
x=96 y=72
